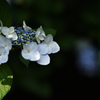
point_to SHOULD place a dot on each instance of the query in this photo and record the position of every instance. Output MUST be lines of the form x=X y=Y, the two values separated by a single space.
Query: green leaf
x=50 y=31
x=5 y=80
x=5 y=13
x=24 y=61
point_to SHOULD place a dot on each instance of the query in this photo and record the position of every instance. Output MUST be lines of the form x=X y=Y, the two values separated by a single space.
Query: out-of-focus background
x=76 y=67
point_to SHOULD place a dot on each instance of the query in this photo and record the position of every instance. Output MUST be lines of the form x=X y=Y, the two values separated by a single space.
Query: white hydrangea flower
x=48 y=46
x=3 y=55
x=44 y=57
x=26 y=28
x=40 y=34
x=53 y=47
x=30 y=51
x=9 y=33
x=6 y=43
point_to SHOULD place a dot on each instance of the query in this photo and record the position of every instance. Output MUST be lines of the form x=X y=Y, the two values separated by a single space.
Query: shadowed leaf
x=5 y=80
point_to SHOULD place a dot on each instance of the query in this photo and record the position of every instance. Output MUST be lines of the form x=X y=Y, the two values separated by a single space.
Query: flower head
x=24 y=37
x=48 y=46
x=9 y=33
x=53 y=47
x=36 y=45
x=30 y=51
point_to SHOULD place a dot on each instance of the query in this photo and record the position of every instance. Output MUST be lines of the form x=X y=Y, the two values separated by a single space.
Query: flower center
x=24 y=36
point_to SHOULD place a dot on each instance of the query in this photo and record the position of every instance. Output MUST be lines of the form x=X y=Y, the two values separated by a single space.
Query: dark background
x=73 y=20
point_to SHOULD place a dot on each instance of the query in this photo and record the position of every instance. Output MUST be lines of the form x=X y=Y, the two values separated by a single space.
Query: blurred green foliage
x=5 y=13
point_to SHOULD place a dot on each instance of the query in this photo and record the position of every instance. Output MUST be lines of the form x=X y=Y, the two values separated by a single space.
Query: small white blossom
x=30 y=51
x=53 y=47
x=9 y=33
x=6 y=43
x=3 y=55
x=40 y=34
x=26 y=28
x=48 y=46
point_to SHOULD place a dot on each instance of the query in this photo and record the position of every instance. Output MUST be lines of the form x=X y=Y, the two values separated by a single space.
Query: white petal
x=40 y=28
x=49 y=50
x=24 y=24
x=2 y=50
x=5 y=30
x=3 y=55
x=2 y=40
x=25 y=55
x=31 y=46
x=40 y=32
x=37 y=34
x=44 y=60
x=26 y=28
x=7 y=52
x=48 y=39
x=35 y=56
x=43 y=48
x=41 y=38
x=4 y=58
x=9 y=36
x=8 y=44
x=14 y=36
x=5 y=42
x=38 y=41
x=55 y=47
x=11 y=29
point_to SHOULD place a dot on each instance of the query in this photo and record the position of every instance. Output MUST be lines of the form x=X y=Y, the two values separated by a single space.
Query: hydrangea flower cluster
x=36 y=45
